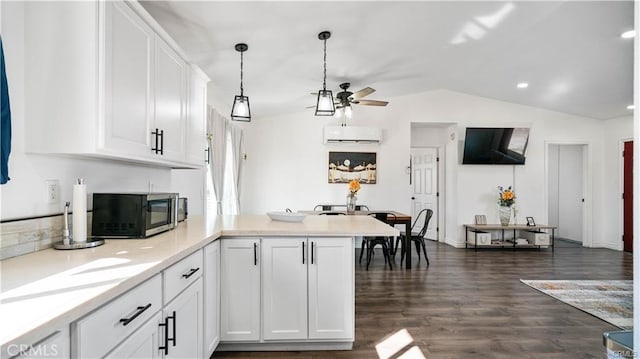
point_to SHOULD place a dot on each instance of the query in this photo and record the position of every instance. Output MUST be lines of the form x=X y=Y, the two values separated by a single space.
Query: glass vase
x=351 y=203
x=504 y=212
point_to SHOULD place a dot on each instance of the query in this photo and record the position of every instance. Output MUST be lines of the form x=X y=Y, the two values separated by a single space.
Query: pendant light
x=240 y=110
x=325 y=106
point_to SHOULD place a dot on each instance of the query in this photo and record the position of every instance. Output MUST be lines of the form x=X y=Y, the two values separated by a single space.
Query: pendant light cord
x=241 y=72
x=324 y=80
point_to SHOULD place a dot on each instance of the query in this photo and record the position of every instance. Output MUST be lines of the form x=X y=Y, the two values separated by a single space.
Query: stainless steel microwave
x=133 y=215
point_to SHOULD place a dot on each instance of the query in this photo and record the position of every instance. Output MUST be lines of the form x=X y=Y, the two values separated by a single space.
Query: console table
x=531 y=231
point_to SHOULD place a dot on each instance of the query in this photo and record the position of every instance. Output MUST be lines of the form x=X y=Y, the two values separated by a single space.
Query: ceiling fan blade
x=364 y=92
x=373 y=102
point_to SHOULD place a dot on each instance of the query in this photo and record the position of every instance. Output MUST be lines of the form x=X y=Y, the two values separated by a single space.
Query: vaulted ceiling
x=570 y=52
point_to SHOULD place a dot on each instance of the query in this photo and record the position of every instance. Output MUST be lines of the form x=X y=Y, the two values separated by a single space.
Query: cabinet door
x=284 y=288
x=240 y=290
x=211 y=297
x=185 y=324
x=143 y=343
x=196 y=119
x=331 y=288
x=170 y=101
x=129 y=44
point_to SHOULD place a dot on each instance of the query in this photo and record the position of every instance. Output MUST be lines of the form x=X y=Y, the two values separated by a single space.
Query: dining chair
x=369 y=243
x=332 y=214
x=323 y=207
x=417 y=238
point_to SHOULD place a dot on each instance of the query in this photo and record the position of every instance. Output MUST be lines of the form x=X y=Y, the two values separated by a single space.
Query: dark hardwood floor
x=469 y=304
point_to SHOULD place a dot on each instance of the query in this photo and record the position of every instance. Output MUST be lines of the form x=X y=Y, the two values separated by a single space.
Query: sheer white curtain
x=235 y=135
x=225 y=141
x=217 y=141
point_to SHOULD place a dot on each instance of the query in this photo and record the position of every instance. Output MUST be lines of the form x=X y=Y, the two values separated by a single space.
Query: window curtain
x=236 y=137
x=217 y=141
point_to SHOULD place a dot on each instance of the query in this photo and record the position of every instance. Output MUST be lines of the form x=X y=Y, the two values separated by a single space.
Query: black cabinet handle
x=208 y=157
x=312 y=245
x=255 y=254
x=159 y=135
x=162 y=142
x=165 y=347
x=139 y=310
x=191 y=272
x=302 y=252
x=173 y=317
x=155 y=133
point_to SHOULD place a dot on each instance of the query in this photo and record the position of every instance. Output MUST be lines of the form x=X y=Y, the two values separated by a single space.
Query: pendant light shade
x=325 y=106
x=240 y=110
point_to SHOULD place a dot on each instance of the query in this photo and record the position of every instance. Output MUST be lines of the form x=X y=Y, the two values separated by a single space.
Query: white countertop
x=42 y=291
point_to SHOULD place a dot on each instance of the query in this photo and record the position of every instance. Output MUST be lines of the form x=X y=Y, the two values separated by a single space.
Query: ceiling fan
x=346 y=98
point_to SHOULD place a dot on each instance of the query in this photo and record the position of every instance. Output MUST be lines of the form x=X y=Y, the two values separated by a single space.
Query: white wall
x=24 y=194
x=286 y=165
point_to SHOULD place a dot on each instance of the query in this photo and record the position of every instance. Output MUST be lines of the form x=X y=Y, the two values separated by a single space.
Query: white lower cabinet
x=284 y=292
x=211 y=299
x=160 y=318
x=306 y=286
x=331 y=289
x=240 y=290
x=183 y=324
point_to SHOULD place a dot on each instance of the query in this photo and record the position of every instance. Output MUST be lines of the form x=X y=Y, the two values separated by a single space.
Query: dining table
x=400 y=218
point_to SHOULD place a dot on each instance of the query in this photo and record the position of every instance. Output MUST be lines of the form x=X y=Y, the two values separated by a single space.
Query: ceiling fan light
x=325 y=106
x=348 y=112
x=240 y=110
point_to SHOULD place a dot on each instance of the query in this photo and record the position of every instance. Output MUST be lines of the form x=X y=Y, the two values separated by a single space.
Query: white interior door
x=424 y=187
x=566 y=190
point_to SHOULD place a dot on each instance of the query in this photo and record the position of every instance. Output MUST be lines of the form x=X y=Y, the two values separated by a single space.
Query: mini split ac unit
x=352 y=134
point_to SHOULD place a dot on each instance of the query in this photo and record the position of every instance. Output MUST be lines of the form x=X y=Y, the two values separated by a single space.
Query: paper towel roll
x=79 y=212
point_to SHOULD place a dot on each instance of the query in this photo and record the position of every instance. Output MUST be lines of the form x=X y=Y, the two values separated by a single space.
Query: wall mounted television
x=495 y=146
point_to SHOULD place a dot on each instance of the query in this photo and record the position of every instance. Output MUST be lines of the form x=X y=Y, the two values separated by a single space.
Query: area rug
x=609 y=300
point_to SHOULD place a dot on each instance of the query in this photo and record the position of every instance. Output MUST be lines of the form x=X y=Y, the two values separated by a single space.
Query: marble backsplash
x=31 y=235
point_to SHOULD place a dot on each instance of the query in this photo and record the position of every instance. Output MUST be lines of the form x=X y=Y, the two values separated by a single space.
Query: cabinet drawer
x=180 y=275
x=100 y=331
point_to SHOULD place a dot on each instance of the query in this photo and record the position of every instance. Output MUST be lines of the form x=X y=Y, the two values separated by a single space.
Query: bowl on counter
x=286 y=216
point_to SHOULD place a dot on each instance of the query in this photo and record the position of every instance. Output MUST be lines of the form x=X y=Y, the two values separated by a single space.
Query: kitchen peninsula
x=100 y=301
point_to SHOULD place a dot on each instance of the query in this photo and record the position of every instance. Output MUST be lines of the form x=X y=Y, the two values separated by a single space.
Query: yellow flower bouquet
x=506 y=197
x=354 y=187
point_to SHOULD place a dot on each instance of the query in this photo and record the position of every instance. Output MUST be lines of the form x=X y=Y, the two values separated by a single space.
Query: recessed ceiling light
x=628 y=34
x=522 y=85
x=631 y=107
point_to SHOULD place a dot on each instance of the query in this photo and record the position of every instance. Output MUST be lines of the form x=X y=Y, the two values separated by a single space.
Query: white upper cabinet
x=196 y=120
x=170 y=102
x=129 y=100
x=104 y=80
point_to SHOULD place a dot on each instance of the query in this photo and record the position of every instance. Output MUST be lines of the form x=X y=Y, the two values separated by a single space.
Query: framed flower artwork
x=346 y=166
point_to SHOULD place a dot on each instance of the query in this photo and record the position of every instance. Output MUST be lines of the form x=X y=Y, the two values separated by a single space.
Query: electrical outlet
x=52 y=188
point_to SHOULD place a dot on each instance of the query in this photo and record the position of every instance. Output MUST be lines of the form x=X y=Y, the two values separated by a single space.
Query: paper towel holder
x=68 y=243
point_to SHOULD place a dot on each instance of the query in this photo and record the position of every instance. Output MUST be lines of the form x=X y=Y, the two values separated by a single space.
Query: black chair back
x=322 y=207
x=425 y=226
